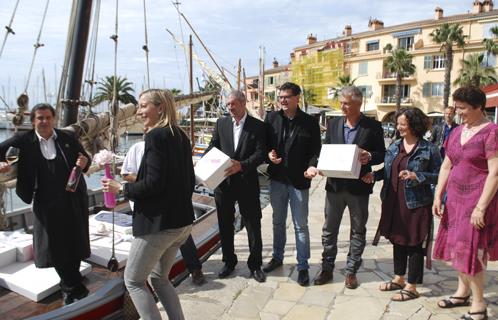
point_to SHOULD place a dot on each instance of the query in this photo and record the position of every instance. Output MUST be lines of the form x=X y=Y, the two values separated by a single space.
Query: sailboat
x=107 y=298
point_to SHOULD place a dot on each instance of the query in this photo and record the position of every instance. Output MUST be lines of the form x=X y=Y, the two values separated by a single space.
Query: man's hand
x=368 y=178
x=81 y=161
x=233 y=169
x=365 y=157
x=109 y=185
x=5 y=167
x=311 y=172
x=272 y=155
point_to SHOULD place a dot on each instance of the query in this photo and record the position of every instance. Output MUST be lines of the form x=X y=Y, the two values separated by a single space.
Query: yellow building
x=362 y=56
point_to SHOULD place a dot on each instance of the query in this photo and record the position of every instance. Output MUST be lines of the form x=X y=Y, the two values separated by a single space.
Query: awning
x=372 y=42
x=406 y=33
x=491 y=92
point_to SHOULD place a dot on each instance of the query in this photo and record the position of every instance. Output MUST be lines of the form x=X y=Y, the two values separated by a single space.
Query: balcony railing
x=392 y=99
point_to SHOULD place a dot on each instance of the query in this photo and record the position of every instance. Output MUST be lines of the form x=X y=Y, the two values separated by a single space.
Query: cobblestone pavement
x=280 y=297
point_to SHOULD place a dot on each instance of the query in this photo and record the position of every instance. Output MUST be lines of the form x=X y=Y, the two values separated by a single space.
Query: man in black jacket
x=242 y=138
x=441 y=131
x=367 y=134
x=293 y=145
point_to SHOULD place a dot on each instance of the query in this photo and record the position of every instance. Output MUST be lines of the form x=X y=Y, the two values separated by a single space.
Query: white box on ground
x=36 y=284
x=7 y=254
x=340 y=161
x=210 y=170
x=23 y=242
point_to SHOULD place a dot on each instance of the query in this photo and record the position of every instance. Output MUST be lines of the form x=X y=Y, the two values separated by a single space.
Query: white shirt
x=237 y=130
x=132 y=160
x=47 y=146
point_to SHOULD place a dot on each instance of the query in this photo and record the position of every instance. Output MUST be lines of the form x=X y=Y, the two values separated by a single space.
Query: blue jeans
x=154 y=255
x=280 y=196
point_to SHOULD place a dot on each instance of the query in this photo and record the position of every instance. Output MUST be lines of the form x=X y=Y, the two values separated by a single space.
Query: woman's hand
x=110 y=185
x=368 y=178
x=437 y=207
x=407 y=175
x=477 y=218
x=81 y=161
x=5 y=167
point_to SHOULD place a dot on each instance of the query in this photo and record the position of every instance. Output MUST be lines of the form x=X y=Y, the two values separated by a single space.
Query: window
x=390 y=93
x=433 y=89
x=486 y=33
x=363 y=68
x=366 y=91
x=406 y=43
x=347 y=48
x=271 y=80
x=373 y=45
x=435 y=62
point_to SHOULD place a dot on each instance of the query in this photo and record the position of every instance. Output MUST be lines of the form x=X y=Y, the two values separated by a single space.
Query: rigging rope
x=177 y=6
x=37 y=45
x=9 y=29
x=145 y=47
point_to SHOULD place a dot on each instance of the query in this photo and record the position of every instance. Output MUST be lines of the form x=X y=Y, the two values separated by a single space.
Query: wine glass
x=12 y=155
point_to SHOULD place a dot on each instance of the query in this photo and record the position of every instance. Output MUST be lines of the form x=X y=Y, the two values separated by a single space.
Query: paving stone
x=278 y=307
x=350 y=309
x=289 y=292
x=318 y=298
x=268 y=316
x=302 y=311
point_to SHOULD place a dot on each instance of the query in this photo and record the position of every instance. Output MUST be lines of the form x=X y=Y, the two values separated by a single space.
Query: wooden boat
x=107 y=291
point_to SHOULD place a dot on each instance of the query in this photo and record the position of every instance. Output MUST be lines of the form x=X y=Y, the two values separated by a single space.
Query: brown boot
x=351 y=281
x=323 y=277
x=198 y=277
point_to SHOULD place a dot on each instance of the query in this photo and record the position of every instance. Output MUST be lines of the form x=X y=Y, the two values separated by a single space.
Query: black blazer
x=165 y=183
x=302 y=150
x=29 y=152
x=369 y=137
x=250 y=151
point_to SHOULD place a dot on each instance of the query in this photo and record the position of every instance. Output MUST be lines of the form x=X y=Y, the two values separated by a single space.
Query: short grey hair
x=238 y=95
x=353 y=92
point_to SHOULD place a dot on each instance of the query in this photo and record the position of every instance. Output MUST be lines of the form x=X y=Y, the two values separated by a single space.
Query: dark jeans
x=225 y=205
x=335 y=203
x=189 y=254
x=413 y=257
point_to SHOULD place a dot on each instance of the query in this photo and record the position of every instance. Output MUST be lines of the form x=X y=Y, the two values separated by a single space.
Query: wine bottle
x=74 y=179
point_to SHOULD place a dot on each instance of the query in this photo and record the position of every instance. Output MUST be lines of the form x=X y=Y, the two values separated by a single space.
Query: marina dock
x=280 y=297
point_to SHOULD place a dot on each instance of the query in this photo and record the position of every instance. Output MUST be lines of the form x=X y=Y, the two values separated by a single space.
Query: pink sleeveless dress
x=457 y=241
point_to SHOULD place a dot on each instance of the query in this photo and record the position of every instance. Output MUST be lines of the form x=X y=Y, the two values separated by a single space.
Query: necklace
x=470 y=129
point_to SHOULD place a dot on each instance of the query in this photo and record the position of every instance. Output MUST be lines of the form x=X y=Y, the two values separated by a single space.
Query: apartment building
x=362 y=56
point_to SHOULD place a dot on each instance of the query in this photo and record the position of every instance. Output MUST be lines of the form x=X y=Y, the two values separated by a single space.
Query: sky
x=232 y=30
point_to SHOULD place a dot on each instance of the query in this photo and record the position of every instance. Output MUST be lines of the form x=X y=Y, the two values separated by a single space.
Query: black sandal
x=391 y=286
x=406 y=295
x=447 y=303
x=469 y=315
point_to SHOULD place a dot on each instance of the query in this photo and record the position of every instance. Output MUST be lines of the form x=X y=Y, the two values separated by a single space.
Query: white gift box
x=22 y=241
x=7 y=254
x=36 y=284
x=101 y=248
x=102 y=223
x=210 y=170
x=340 y=161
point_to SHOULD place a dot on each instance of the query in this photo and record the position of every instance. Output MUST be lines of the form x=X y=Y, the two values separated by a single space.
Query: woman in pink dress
x=468 y=232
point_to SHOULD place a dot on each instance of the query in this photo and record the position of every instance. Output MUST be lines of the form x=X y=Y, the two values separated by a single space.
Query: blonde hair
x=164 y=98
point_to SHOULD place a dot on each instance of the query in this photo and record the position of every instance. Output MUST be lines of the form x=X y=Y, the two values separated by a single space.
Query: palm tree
x=490 y=45
x=175 y=91
x=474 y=73
x=309 y=96
x=447 y=35
x=399 y=63
x=343 y=81
x=105 y=89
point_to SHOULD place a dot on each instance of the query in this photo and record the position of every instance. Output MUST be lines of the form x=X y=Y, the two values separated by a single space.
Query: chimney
x=375 y=24
x=348 y=31
x=487 y=5
x=477 y=7
x=311 y=39
x=275 y=63
x=438 y=13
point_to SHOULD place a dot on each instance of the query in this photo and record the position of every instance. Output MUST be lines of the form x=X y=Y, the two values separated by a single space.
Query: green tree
x=447 y=35
x=475 y=72
x=343 y=81
x=105 y=89
x=490 y=45
x=175 y=91
x=309 y=97
x=399 y=63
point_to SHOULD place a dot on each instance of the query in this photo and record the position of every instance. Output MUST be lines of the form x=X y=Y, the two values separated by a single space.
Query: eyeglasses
x=285 y=97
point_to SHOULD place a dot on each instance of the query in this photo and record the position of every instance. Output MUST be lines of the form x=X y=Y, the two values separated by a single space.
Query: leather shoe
x=258 y=275
x=323 y=277
x=351 y=282
x=272 y=265
x=226 y=271
x=303 y=278
x=198 y=277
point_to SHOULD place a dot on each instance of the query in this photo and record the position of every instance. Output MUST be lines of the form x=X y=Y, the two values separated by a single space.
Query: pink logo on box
x=215 y=161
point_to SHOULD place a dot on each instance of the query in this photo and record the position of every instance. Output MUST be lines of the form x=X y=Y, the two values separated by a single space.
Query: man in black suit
x=242 y=138
x=367 y=134
x=60 y=237
x=441 y=131
x=294 y=146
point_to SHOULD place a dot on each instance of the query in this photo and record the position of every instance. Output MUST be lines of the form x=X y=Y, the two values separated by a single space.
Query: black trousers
x=250 y=211
x=413 y=257
x=69 y=272
x=189 y=254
